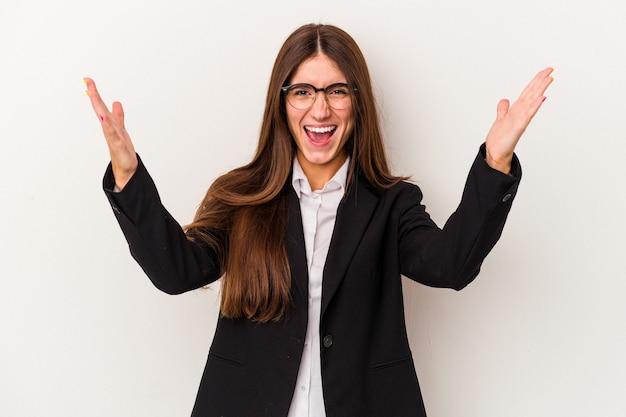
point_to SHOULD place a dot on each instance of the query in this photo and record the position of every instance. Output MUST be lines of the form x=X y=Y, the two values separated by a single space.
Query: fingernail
x=85 y=81
x=544 y=99
x=102 y=118
x=87 y=92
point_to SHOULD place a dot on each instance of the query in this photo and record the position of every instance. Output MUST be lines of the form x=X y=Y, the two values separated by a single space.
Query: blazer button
x=506 y=198
x=328 y=341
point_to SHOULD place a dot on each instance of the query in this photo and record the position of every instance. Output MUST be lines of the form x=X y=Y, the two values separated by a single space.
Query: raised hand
x=512 y=121
x=123 y=157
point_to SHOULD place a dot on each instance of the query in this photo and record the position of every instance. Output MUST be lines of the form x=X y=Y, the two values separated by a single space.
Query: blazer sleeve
x=451 y=257
x=158 y=243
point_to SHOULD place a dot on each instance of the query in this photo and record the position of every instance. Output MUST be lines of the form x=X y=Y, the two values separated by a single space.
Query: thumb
x=118 y=113
x=503 y=108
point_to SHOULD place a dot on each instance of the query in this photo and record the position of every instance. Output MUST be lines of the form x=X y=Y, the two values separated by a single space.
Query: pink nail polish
x=102 y=118
x=544 y=99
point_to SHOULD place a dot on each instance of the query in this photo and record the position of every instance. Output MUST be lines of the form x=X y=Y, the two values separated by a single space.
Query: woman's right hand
x=123 y=157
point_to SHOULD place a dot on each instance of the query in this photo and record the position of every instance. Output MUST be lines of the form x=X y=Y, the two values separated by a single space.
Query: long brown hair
x=243 y=215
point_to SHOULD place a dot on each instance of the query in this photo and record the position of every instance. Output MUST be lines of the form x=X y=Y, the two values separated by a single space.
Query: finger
x=96 y=101
x=542 y=76
x=544 y=80
x=112 y=122
x=531 y=98
x=539 y=84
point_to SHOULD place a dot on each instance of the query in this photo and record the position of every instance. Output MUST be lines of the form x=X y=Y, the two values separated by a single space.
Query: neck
x=319 y=174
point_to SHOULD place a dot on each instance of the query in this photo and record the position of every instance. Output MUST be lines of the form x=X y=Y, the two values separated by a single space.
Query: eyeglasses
x=302 y=96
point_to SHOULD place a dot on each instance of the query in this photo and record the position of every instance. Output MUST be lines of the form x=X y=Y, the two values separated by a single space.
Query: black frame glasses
x=301 y=96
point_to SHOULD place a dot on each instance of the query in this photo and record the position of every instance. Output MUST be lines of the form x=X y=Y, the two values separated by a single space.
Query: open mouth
x=320 y=135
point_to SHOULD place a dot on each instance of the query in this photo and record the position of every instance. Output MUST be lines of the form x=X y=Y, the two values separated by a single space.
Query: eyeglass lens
x=302 y=96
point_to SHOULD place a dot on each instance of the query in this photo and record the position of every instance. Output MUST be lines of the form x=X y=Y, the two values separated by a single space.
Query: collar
x=301 y=184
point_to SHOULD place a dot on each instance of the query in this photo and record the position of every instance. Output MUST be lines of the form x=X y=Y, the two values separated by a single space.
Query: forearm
x=156 y=240
x=452 y=256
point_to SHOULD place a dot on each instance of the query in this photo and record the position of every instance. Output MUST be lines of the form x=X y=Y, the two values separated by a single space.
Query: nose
x=320 y=108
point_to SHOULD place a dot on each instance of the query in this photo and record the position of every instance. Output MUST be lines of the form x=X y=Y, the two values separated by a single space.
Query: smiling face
x=320 y=132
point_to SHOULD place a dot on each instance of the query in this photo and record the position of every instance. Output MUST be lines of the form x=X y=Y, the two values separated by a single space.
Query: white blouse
x=319 y=211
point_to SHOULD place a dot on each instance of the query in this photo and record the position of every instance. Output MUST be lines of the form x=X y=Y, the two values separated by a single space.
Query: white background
x=541 y=332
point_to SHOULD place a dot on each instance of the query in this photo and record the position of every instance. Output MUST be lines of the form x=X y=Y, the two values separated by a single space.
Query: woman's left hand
x=512 y=121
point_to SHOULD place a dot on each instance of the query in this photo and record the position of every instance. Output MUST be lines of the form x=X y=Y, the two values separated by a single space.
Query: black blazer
x=379 y=235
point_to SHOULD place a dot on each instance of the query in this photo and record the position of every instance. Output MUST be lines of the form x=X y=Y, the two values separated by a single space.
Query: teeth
x=320 y=129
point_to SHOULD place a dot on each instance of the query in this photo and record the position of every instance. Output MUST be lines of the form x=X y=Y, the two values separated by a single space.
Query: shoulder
x=401 y=195
x=400 y=189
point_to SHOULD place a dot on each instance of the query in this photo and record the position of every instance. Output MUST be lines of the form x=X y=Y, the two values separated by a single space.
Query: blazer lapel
x=353 y=216
x=296 y=251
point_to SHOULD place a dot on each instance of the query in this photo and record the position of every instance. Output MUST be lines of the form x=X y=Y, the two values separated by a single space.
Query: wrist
x=502 y=164
x=122 y=178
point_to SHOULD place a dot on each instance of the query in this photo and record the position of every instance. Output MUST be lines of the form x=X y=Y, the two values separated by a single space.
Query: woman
x=311 y=238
